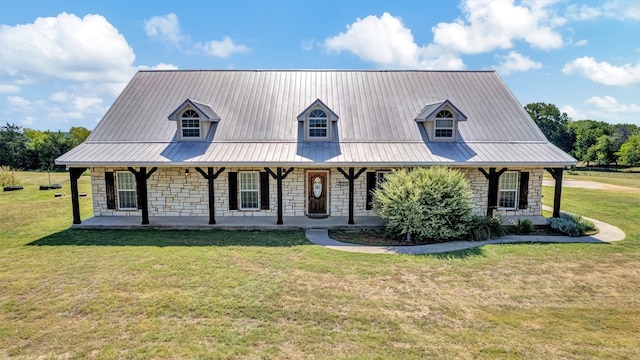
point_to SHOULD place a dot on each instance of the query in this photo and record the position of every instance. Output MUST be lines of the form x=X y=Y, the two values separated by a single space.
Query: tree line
x=589 y=141
x=30 y=149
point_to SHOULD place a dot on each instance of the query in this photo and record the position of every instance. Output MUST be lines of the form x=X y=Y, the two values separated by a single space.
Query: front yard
x=214 y=294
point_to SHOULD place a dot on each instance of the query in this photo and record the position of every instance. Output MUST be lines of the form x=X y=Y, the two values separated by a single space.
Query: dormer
x=193 y=120
x=440 y=120
x=318 y=121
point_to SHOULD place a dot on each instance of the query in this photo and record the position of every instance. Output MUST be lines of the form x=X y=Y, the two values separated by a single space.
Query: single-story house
x=307 y=143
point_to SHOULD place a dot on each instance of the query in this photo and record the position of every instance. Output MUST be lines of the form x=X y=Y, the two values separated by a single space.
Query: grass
x=214 y=294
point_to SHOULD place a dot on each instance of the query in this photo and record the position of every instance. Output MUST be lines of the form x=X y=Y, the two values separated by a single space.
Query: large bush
x=571 y=224
x=432 y=203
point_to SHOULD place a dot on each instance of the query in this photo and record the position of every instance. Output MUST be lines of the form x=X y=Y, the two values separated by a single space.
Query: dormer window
x=194 y=120
x=190 y=124
x=318 y=121
x=441 y=120
x=444 y=125
x=317 y=124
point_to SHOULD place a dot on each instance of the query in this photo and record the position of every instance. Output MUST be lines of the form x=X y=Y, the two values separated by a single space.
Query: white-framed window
x=190 y=124
x=126 y=190
x=318 y=124
x=444 y=125
x=380 y=176
x=508 y=190
x=249 y=187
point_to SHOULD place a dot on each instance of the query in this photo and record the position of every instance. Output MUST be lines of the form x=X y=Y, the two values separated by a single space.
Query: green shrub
x=524 y=226
x=485 y=227
x=571 y=224
x=431 y=204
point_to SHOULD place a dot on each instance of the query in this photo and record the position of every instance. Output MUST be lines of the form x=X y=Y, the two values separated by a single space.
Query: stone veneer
x=170 y=193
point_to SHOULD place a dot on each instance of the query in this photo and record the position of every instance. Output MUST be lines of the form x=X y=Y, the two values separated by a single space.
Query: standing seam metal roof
x=258 y=110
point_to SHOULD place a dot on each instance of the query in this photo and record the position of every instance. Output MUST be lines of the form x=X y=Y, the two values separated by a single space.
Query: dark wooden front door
x=317 y=192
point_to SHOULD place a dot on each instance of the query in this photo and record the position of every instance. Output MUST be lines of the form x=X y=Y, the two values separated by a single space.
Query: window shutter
x=111 y=190
x=264 y=191
x=371 y=185
x=233 y=191
x=523 y=197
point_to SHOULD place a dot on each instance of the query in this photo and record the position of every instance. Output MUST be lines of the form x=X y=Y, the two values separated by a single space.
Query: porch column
x=74 y=175
x=557 y=176
x=351 y=177
x=141 y=187
x=492 y=199
x=210 y=176
x=279 y=176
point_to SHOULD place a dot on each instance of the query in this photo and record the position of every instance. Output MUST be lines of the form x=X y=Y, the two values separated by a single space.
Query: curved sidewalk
x=608 y=233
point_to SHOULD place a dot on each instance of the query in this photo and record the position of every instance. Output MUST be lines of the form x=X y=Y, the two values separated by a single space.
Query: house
x=312 y=143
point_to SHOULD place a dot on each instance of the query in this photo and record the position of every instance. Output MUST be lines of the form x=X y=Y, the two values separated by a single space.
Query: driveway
x=588 y=184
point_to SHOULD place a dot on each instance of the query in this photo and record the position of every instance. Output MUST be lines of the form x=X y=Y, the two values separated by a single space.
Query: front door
x=317 y=192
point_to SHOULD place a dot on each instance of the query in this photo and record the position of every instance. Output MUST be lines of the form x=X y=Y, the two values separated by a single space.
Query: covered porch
x=253 y=222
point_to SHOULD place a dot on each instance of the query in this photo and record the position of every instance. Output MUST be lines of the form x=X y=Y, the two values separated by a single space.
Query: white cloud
x=18 y=101
x=613 y=9
x=516 y=62
x=166 y=28
x=223 y=49
x=605 y=108
x=27 y=121
x=582 y=42
x=386 y=42
x=603 y=72
x=488 y=25
x=8 y=88
x=160 y=66
x=65 y=47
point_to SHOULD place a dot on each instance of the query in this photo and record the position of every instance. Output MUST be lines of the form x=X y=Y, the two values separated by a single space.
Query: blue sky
x=62 y=63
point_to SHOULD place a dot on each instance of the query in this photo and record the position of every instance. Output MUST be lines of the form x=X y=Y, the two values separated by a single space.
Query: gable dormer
x=193 y=119
x=440 y=120
x=318 y=121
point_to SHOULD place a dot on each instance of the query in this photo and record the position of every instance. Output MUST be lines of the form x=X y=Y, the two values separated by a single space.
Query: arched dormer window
x=444 y=125
x=441 y=120
x=318 y=124
x=190 y=124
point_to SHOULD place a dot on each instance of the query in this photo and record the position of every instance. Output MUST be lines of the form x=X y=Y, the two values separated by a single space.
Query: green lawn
x=215 y=294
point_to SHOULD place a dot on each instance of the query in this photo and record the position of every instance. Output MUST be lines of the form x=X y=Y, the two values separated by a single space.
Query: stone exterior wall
x=170 y=193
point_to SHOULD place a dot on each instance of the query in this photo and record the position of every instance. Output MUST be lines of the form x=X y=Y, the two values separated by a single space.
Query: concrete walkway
x=608 y=233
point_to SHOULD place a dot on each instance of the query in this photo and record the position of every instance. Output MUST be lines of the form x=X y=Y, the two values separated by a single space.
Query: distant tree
x=587 y=133
x=553 y=124
x=78 y=135
x=622 y=133
x=54 y=145
x=36 y=137
x=630 y=151
x=14 y=151
x=605 y=150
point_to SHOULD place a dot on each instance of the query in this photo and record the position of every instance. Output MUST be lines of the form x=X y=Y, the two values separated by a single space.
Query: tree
x=630 y=151
x=13 y=147
x=78 y=135
x=605 y=150
x=54 y=145
x=553 y=124
x=587 y=133
x=432 y=203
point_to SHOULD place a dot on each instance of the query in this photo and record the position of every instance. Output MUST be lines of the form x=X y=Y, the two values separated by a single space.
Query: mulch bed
x=377 y=238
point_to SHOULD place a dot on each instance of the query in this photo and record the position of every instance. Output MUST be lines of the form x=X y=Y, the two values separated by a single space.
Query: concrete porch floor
x=251 y=222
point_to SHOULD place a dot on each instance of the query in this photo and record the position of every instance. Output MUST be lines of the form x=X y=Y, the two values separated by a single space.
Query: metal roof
x=258 y=111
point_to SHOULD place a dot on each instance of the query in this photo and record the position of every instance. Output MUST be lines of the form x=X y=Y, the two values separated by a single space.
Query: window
x=190 y=123
x=249 y=185
x=444 y=125
x=126 y=185
x=380 y=177
x=318 y=124
x=508 y=188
